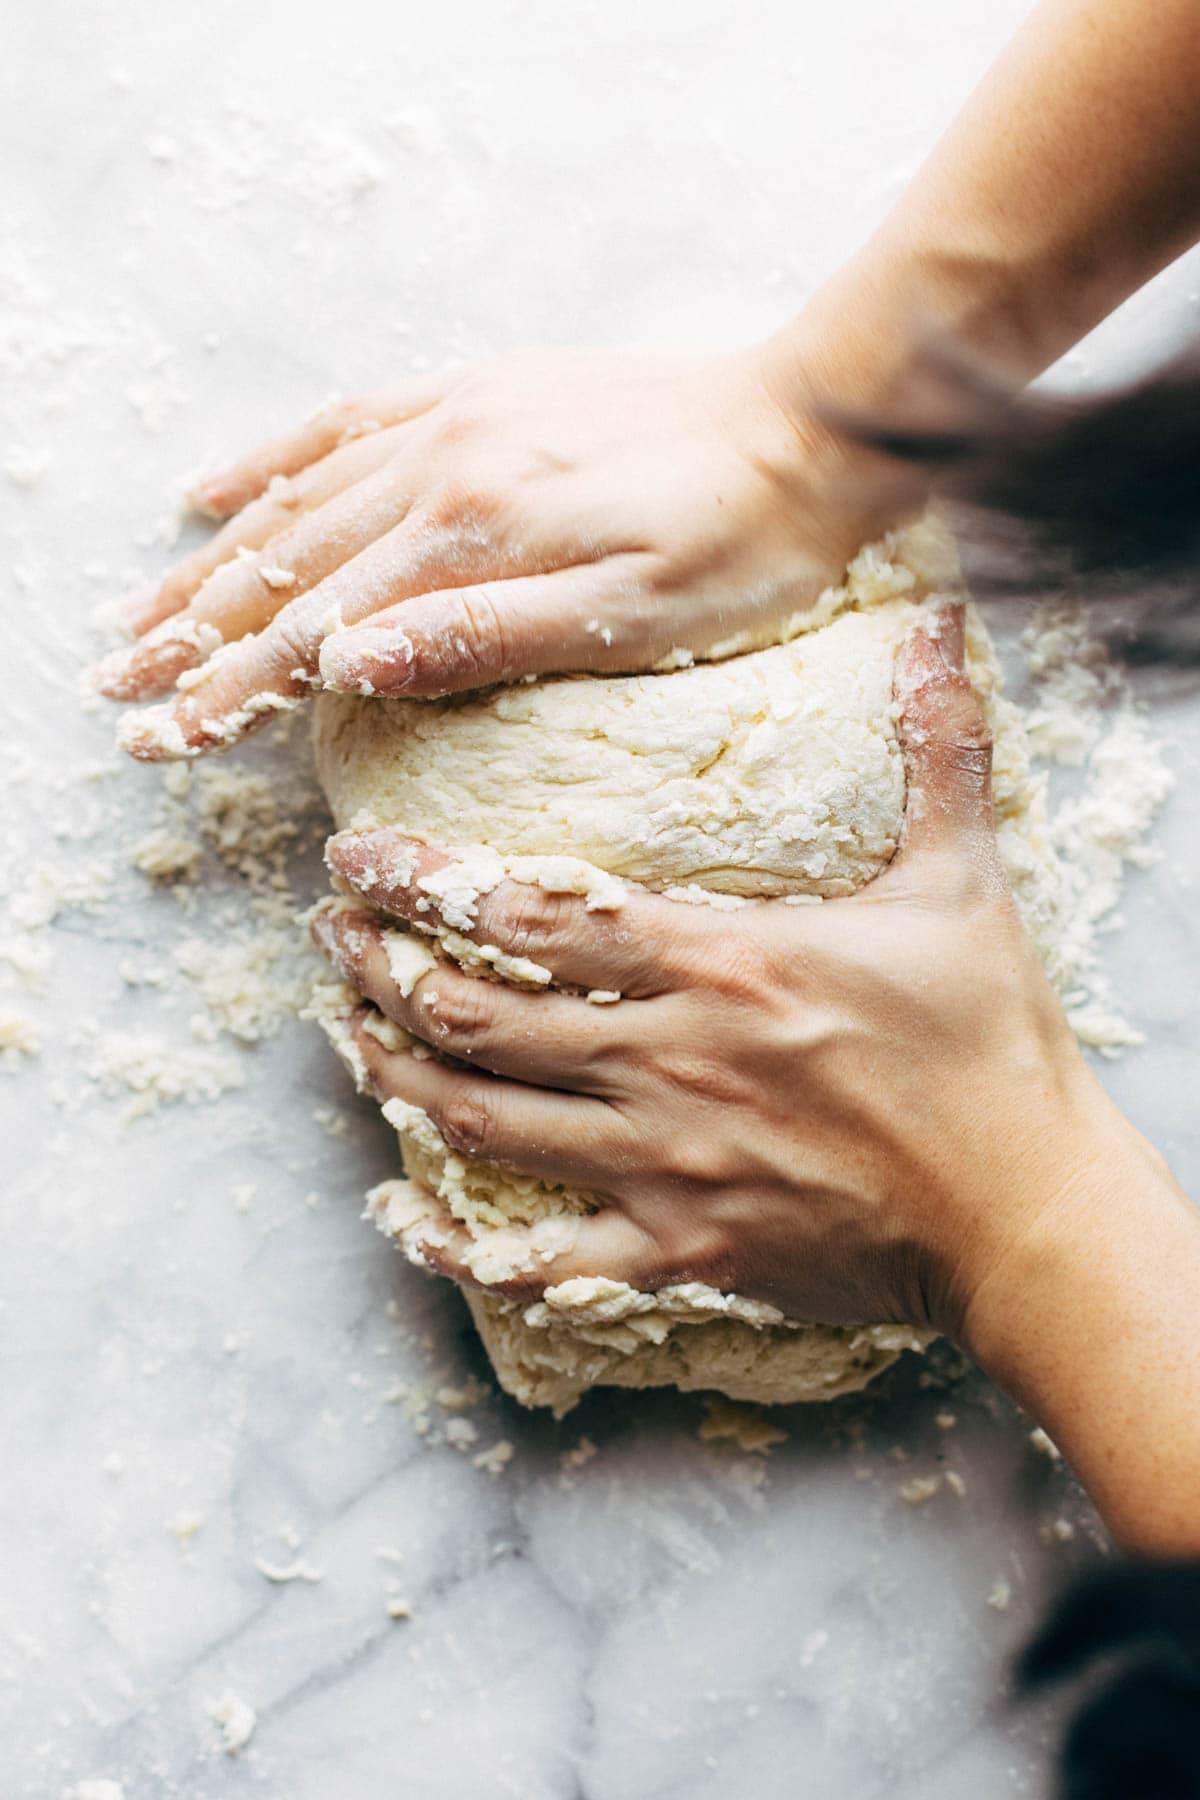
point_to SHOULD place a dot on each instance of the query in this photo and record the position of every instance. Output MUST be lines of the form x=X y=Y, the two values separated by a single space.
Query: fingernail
x=155 y=664
x=368 y=659
x=106 y=676
x=154 y=735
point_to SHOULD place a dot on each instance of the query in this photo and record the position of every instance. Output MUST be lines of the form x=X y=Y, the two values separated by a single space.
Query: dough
x=773 y=773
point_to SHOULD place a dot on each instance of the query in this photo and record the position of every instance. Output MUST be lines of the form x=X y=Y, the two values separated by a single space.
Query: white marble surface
x=213 y=217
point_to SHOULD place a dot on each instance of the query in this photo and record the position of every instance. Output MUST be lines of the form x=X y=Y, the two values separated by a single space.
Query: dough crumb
x=495 y=1460
x=746 y=1426
x=158 y=1071
x=280 y=1573
x=185 y=1526
x=918 y=1489
x=165 y=855
x=462 y=1398
x=236 y=1718
x=1000 y=1597
x=20 y=1038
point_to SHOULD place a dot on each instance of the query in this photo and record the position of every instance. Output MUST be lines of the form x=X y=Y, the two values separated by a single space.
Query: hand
x=849 y=1109
x=548 y=510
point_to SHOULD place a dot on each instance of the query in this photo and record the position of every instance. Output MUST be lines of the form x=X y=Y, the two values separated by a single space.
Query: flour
x=1084 y=717
x=157 y=1070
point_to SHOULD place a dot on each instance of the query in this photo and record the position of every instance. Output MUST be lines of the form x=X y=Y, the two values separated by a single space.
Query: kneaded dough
x=774 y=773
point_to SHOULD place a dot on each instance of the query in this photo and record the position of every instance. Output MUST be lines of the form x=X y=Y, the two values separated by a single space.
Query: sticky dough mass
x=773 y=773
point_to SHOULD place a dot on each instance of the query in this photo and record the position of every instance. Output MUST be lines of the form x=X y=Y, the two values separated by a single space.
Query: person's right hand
x=545 y=511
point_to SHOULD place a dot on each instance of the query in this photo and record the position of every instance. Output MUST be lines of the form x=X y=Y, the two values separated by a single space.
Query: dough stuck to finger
x=777 y=773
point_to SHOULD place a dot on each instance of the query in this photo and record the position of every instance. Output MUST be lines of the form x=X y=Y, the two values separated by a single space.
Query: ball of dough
x=773 y=773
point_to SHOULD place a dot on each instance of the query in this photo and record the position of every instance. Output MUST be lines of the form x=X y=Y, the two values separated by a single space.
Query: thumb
x=945 y=740
x=469 y=637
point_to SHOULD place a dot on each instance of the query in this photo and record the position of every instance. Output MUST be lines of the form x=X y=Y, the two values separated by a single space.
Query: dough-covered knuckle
x=526 y=919
x=467 y=1123
x=479 y=633
x=947 y=710
x=462 y=1013
x=290 y=640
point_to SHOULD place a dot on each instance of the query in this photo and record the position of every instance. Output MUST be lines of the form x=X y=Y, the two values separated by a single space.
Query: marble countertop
x=215 y=1373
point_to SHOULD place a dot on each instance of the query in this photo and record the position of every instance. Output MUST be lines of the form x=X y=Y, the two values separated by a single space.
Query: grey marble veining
x=212 y=218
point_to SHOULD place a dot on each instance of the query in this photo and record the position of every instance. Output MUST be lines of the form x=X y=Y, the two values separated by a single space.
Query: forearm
x=1093 y=1323
x=1070 y=177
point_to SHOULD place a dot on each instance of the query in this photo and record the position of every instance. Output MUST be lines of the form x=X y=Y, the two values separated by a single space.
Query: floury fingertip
x=367 y=660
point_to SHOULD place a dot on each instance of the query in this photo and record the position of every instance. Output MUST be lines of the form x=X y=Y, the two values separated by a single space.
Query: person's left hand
x=851 y=1109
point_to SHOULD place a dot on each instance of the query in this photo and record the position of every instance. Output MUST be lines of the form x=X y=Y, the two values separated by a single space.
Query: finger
x=247 y=591
x=336 y=423
x=234 y=693
x=284 y=501
x=591 y=616
x=558 y=1138
x=604 y=1245
x=626 y=942
x=549 y=1039
x=945 y=739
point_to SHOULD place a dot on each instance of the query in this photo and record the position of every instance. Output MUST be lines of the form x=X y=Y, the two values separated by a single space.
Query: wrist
x=862 y=342
x=1066 y=1239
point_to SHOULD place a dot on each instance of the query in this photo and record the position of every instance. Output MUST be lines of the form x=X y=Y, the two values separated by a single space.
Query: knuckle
x=461 y=1015
x=467 y=1124
x=291 y=641
x=456 y=424
x=527 y=918
x=478 y=634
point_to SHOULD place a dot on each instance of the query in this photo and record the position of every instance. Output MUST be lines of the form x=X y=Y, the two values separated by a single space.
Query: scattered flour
x=1084 y=718
x=156 y=1070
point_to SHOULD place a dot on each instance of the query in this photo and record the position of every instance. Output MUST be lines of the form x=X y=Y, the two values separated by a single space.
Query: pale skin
x=559 y=510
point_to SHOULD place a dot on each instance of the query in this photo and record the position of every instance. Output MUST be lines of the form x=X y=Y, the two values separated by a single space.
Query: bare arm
x=1070 y=177
x=1092 y=1324
x=604 y=511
